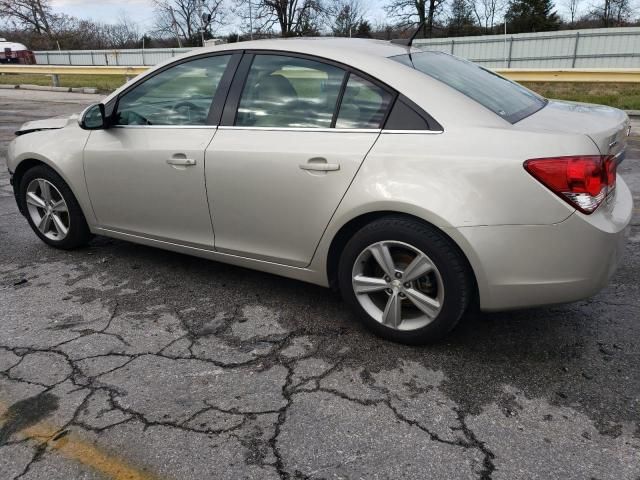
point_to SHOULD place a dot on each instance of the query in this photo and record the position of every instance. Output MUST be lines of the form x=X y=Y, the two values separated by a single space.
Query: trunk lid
x=608 y=127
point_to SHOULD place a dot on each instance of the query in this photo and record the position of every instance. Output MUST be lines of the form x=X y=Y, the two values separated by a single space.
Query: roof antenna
x=409 y=41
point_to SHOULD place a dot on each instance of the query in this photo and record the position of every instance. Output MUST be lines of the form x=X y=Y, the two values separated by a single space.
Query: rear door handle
x=319 y=165
x=183 y=162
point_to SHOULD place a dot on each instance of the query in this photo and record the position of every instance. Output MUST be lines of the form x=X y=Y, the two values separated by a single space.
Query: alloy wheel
x=398 y=285
x=48 y=209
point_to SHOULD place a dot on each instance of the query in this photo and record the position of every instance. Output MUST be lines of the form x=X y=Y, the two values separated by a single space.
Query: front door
x=277 y=174
x=146 y=175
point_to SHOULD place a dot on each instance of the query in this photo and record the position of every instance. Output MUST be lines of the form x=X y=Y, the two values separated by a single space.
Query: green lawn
x=620 y=95
x=104 y=83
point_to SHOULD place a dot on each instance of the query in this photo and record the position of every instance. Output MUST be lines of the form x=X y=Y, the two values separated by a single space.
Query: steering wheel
x=137 y=118
x=190 y=106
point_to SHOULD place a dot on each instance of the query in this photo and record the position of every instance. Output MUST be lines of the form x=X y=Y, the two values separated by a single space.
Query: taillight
x=584 y=181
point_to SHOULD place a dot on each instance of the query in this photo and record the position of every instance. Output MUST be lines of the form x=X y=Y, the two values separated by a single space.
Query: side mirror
x=94 y=118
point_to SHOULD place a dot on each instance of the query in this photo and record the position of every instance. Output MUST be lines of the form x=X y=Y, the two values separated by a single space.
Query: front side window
x=180 y=95
x=289 y=92
x=364 y=105
x=511 y=101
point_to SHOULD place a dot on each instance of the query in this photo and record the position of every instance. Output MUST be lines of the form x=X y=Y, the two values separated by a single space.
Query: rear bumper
x=519 y=266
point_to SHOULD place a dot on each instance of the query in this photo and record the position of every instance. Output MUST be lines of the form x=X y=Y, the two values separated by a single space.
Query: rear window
x=511 y=101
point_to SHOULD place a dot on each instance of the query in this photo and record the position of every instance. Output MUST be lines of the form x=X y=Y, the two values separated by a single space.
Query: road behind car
x=123 y=361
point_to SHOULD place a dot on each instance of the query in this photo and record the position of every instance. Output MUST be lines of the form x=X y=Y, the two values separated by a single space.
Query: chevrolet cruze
x=414 y=182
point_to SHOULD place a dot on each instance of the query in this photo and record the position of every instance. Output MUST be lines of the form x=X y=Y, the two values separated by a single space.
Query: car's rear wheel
x=52 y=210
x=406 y=280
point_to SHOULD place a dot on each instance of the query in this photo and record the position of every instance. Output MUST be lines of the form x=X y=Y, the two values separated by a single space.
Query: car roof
x=316 y=45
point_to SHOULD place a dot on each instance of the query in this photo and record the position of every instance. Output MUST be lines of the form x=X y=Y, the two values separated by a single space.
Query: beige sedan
x=416 y=183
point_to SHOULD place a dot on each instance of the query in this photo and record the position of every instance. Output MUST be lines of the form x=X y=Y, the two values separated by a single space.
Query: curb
x=89 y=90
x=43 y=88
x=633 y=113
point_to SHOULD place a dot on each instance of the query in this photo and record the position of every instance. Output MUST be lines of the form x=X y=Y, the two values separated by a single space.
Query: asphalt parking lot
x=123 y=361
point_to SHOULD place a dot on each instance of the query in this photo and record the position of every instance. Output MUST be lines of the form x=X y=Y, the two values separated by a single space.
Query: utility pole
x=250 y=21
x=505 y=42
x=203 y=21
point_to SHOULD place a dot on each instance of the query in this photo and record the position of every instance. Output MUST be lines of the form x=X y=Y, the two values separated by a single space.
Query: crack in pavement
x=113 y=353
x=288 y=389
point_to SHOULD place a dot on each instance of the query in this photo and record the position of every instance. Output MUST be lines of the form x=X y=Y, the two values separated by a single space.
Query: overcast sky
x=108 y=11
x=141 y=11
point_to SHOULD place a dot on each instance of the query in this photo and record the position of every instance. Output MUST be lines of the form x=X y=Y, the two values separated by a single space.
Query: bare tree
x=487 y=11
x=613 y=12
x=123 y=34
x=572 y=7
x=622 y=11
x=182 y=18
x=461 y=19
x=35 y=15
x=344 y=17
x=408 y=11
x=292 y=17
x=45 y=30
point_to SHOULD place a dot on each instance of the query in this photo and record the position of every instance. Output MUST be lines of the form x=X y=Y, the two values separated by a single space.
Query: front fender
x=62 y=151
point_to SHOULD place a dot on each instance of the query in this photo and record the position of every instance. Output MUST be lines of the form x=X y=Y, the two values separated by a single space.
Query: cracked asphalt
x=123 y=361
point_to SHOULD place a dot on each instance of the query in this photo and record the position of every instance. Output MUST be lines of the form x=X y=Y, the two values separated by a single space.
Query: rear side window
x=511 y=101
x=289 y=92
x=364 y=105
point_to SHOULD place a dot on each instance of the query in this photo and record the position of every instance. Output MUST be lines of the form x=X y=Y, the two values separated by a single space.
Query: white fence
x=137 y=57
x=589 y=48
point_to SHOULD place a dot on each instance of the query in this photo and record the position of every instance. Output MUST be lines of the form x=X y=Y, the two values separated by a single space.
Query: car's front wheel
x=406 y=280
x=52 y=210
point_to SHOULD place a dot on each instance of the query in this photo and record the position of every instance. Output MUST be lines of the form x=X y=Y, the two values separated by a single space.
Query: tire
x=77 y=231
x=447 y=282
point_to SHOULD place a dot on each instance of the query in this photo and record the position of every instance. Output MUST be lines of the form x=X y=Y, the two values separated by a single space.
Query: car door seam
x=84 y=175
x=206 y=189
x=324 y=231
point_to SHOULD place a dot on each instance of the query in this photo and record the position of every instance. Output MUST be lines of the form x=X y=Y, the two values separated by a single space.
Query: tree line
x=188 y=22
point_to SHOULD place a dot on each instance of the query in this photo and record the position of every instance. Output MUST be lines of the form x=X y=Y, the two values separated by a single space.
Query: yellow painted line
x=593 y=75
x=72 y=447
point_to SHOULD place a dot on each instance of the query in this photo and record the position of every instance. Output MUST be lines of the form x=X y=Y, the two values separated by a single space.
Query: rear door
x=294 y=132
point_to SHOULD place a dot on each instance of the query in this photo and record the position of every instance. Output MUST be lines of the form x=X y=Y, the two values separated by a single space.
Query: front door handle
x=182 y=162
x=319 y=164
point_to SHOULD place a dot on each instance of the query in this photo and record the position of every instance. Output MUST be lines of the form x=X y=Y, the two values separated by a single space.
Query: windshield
x=511 y=101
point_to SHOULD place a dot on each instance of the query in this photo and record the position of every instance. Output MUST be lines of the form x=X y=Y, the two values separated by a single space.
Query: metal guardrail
x=583 y=75
x=72 y=70
x=571 y=75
